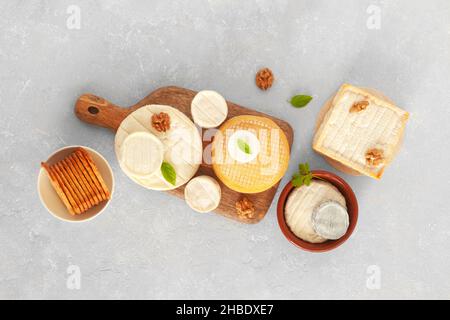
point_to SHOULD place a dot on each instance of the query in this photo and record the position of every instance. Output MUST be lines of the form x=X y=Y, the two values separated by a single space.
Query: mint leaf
x=300 y=101
x=297 y=180
x=303 y=177
x=308 y=179
x=244 y=146
x=168 y=173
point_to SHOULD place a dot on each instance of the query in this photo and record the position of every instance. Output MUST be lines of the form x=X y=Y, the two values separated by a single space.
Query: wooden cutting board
x=98 y=111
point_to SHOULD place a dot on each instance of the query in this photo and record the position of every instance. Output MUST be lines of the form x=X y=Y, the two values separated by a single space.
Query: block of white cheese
x=203 y=194
x=330 y=220
x=141 y=154
x=301 y=204
x=209 y=109
x=361 y=131
x=182 y=145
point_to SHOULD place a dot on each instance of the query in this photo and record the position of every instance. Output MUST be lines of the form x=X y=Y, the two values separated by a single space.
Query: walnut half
x=245 y=208
x=264 y=79
x=359 y=106
x=374 y=157
x=161 y=122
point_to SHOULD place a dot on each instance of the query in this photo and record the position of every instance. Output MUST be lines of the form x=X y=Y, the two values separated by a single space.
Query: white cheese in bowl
x=330 y=220
x=304 y=201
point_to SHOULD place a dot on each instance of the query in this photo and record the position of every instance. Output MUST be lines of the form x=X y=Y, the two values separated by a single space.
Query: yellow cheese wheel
x=248 y=172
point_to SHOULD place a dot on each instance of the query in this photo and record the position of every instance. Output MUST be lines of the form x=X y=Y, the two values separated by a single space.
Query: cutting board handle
x=99 y=111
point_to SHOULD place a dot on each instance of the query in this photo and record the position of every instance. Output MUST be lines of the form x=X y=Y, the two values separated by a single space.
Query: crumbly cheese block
x=202 y=194
x=301 y=204
x=266 y=169
x=361 y=131
x=141 y=154
x=209 y=109
x=182 y=144
x=330 y=220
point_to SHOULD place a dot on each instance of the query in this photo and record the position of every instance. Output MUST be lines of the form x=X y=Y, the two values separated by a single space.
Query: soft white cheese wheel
x=301 y=204
x=182 y=145
x=330 y=220
x=209 y=109
x=203 y=194
x=141 y=154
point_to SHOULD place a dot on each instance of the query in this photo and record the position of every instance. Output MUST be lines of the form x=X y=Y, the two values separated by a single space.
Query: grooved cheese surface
x=265 y=170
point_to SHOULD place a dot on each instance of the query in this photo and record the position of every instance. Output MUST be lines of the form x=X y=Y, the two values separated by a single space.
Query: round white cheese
x=330 y=220
x=203 y=194
x=243 y=146
x=301 y=204
x=141 y=154
x=182 y=145
x=209 y=109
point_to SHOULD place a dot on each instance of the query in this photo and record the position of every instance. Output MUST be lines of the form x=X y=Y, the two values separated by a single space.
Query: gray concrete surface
x=150 y=245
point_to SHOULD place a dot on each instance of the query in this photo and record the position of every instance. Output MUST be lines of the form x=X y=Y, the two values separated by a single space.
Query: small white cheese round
x=209 y=109
x=243 y=146
x=141 y=154
x=330 y=220
x=203 y=194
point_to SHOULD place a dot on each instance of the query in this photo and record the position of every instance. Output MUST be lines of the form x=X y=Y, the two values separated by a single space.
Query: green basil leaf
x=300 y=101
x=243 y=146
x=168 y=173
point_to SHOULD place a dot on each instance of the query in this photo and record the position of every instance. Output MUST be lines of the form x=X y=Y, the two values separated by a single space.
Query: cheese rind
x=182 y=144
x=347 y=136
x=203 y=194
x=141 y=154
x=209 y=109
x=330 y=220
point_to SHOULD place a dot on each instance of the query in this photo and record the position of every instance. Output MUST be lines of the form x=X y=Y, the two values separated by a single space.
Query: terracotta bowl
x=352 y=208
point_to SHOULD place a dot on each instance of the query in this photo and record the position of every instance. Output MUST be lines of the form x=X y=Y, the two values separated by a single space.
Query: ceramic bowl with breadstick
x=75 y=184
